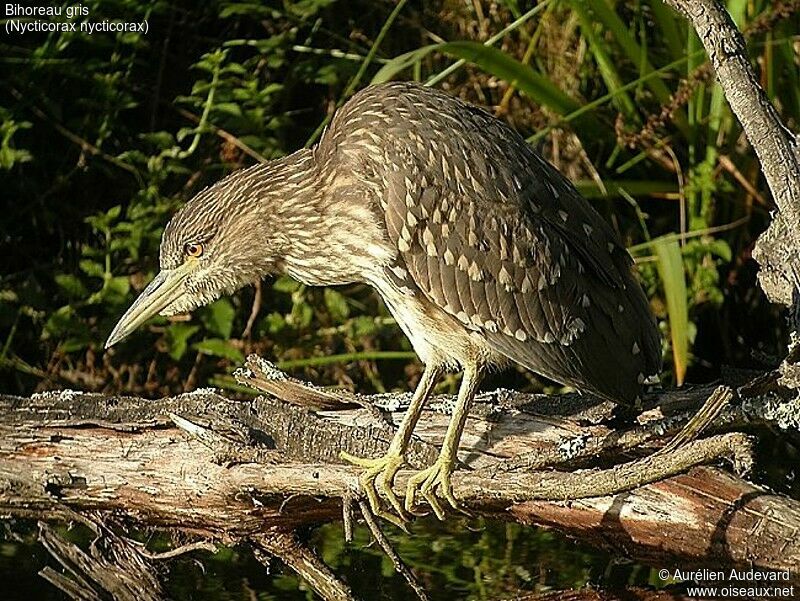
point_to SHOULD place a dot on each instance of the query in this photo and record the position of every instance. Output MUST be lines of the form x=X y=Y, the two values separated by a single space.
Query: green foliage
x=102 y=137
x=9 y=155
x=217 y=347
x=218 y=317
x=178 y=335
x=125 y=131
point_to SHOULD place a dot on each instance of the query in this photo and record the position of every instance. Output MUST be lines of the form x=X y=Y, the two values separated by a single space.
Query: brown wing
x=495 y=236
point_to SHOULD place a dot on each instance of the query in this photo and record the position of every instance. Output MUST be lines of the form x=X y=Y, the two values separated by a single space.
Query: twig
x=728 y=165
x=305 y=563
x=347 y=518
x=227 y=450
x=225 y=135
x=584 y=447
x=384 y=543
x=177 y=551
x=111 y=568
x=710 y=410
x=248 y=329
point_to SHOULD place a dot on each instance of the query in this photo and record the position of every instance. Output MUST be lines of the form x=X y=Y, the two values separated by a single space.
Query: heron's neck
x=327 y=224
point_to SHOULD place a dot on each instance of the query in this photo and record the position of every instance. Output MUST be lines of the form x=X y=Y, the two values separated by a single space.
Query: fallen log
x=229 y=470
x=706 y=515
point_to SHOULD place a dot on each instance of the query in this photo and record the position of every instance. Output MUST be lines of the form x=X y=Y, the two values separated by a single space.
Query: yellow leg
x=378 y=477
x=437 y=476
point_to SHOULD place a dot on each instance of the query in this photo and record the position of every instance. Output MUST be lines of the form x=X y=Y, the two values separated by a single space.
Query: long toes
x=408 y=502
x=447 y=493
x=368 y=486
x=400 y=522
x=433 y=501
x=385 y=489
x=429 y=486
x=411 y=491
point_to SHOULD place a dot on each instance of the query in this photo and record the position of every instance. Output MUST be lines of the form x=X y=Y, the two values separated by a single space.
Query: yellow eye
x=193 y=249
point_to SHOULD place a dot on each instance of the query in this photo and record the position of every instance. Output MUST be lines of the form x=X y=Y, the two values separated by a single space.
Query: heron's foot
x=376 y=482
x=432 y=484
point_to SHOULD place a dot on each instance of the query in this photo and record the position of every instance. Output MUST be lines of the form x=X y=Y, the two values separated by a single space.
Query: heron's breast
x=437 y=337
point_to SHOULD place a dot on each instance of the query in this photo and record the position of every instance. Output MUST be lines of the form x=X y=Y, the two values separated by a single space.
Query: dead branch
x=383 y=542
x=303 y=561
x=229 y=470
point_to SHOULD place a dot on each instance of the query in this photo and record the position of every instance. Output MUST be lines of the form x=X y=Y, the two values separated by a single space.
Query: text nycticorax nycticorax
x=483 y=252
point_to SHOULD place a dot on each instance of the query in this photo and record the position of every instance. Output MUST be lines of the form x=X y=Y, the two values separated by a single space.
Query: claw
x=376 y=482
x=427 y=482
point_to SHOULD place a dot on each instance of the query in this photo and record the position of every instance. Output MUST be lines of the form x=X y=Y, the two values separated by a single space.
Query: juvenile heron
x=482 y=251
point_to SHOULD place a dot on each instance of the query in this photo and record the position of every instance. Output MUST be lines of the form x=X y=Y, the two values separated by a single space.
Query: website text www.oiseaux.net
x=732 y=584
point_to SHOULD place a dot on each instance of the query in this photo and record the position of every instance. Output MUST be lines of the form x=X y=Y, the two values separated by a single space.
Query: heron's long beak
x=163 y=290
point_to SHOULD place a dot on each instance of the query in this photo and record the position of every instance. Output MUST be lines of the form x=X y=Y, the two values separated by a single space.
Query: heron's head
x=219 y=241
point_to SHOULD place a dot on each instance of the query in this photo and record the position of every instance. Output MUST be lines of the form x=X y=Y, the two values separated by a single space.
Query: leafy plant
x=103 y=137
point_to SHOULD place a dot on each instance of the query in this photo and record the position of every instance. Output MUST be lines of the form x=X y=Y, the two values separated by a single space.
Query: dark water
x=460 y=559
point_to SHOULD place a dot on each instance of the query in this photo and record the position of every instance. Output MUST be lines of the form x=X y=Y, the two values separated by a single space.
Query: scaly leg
x=379 y=474
x=438 y=475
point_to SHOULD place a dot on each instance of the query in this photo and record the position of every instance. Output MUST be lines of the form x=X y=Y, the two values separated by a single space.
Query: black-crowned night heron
x=483 y=252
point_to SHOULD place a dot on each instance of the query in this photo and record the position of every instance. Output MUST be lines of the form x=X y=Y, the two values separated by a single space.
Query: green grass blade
x=352 y=86
x=402 y=62
x=535 y=85
x=597 y=102
x=670 y=270
x=494 y=61
x=605 y=64
x=515 y=24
